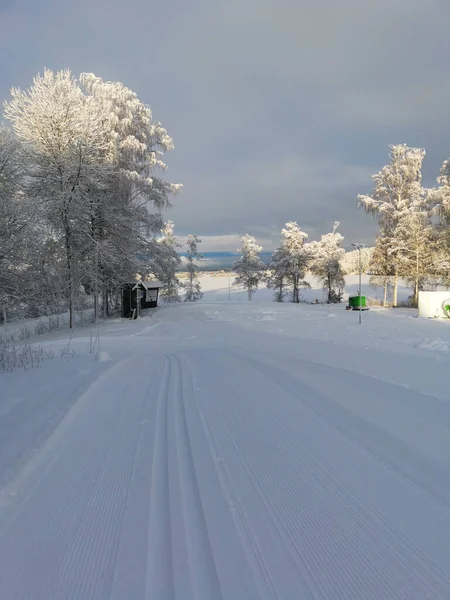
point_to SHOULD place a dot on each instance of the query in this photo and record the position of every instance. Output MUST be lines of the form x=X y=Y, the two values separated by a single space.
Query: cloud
x=280 y=109
x=217 y=243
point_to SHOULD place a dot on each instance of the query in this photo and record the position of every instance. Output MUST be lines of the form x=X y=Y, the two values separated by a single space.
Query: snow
x=231 y=450
x=218 y=288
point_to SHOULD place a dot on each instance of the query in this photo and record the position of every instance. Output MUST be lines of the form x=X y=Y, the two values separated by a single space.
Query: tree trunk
x=280 y=293
x=295 y=297
x=416 y=292
x=95 y=280
x=70 y=304
x=395 y=291
x=105 y=302
x=95 y=303
x=4 y=314
x=69 y=262
x=386 y=283
x=416 y=281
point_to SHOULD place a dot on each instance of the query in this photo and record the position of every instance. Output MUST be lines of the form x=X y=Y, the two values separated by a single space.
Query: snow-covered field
x=219 y=287
x=231 y=451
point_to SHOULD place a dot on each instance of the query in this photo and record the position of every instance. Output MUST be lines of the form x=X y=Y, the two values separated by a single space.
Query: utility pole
x=359 y=247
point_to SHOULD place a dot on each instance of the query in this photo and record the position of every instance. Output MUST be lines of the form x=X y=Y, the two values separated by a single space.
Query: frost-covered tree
x=121 y=215
x=439 y=199
x=193 y=290
x=16 y=214
x=416 y=249
x=65 y=139
x=397 y=191
x=278 y=274
x=93 y=153
x=165 y=262
x=350 y=261
x=381 y=266
x=290 y=262
x=249 y=268
x=326 y=257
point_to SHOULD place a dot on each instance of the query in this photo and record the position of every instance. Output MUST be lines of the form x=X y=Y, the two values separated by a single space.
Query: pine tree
x=193 y=289
x=249 y=268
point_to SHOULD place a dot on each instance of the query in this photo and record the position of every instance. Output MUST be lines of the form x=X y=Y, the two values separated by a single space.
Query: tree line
x=290 y=262
x=82 y=198
x=412 y=244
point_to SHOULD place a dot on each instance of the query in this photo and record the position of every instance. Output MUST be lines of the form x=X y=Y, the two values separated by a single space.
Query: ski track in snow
x=199 y=472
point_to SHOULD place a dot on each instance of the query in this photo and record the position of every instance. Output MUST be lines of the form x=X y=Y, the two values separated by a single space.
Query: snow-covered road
x=213 y=460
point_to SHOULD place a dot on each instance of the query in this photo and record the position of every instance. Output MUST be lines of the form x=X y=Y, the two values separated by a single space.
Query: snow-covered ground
x=232 y=451
x=219 y=286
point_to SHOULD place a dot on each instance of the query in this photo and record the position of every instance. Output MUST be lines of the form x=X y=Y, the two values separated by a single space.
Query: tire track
x=130 y=560
x=15 y=494
x=286 y=577
x=400 y=456
x=332 y=501
x=203 y=573
x=159 y=574
x=426 y=569
x=404 y=458
x=64 y=545
x=243 y=529
x=267 y=493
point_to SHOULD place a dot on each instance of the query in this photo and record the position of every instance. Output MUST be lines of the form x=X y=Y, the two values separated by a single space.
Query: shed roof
x=151 y=285
x=146 y=285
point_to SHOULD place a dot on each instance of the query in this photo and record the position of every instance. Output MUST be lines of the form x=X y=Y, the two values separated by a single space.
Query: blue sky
x=279 y=109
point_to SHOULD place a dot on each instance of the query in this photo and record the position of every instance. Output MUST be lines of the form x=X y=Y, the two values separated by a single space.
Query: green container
x=357 y=301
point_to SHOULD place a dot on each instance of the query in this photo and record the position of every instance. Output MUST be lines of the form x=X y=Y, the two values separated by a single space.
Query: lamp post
x=359 y=247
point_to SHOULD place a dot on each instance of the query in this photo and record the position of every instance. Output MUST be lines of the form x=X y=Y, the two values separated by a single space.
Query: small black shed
x=138 y=295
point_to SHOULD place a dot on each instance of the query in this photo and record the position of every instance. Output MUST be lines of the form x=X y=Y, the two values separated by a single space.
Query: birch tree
x=122 y=216
x=416 y=246
x=165 y=262
x=397 y=191
x=294 y=258
x=326 y=256
x=439 y=199
x=15 y=218
x=65 y=139
x=350 y=261
x=93 y=152
x=381 y=265
x=249 y=268
x=278 y=273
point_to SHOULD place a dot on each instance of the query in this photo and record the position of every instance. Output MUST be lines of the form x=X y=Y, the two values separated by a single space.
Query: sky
x=279 y=109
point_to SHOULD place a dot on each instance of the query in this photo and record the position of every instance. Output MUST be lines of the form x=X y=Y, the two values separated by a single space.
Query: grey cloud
x=280 y=109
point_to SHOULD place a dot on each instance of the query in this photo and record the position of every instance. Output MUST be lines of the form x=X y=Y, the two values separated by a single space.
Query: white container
x=431 y=304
